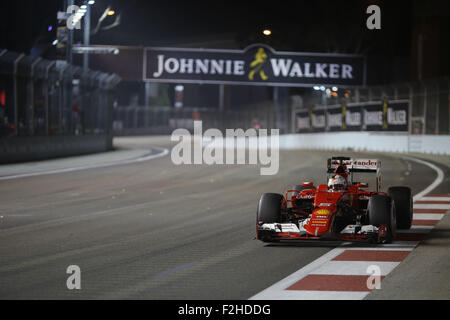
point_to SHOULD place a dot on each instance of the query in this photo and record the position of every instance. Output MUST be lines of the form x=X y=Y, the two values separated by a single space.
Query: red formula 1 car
x=342 y=210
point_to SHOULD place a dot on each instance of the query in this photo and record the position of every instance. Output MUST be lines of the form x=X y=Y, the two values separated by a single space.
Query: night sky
x=337 y=26
x=320 y=25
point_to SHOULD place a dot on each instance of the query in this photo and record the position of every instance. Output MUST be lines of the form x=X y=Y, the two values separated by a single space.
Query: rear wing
x=356 y=165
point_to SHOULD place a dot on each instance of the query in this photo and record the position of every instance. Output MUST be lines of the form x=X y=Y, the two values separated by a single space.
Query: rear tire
x=381 y=211
x=403 y=206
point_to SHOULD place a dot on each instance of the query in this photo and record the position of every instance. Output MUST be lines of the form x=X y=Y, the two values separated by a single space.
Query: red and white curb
x=344 y=272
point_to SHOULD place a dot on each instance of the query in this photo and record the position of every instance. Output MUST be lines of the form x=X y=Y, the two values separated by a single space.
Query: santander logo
x=362 y=163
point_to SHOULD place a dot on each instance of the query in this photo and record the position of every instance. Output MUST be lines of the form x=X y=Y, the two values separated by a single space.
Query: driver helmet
x=337 y=183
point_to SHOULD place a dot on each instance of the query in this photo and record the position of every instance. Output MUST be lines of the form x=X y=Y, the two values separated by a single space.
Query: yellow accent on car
x=323 y=212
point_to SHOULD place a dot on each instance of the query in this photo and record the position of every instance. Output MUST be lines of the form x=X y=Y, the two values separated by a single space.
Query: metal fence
x=428 y=109
x=429 y=101
x=163 y=120
x=39 y=97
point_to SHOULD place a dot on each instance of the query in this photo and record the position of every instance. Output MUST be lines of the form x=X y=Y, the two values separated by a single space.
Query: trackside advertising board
x=369 y=116
x=258 y=64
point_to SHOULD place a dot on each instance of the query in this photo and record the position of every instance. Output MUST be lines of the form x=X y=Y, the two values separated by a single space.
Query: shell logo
x=322 y=212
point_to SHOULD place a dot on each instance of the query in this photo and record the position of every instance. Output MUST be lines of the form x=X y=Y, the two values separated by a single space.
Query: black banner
x=258 y=64
x=344 y=118
x=303 y=121
x=386 y=116
x=318 y=120
x=373 y=116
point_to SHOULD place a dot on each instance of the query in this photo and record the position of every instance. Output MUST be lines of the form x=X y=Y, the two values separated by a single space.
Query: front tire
x=381 y=211
x=269 y=208
x=403 y=206
x=269 y=211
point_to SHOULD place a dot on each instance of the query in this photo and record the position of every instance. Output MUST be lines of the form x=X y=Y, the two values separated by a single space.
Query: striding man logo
x=384 y=115
x=257 y=65
x=344 y=116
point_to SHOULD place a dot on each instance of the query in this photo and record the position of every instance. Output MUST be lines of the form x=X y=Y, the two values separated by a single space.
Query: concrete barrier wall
x=356 y=141
x=368 y=141
x=19 y=149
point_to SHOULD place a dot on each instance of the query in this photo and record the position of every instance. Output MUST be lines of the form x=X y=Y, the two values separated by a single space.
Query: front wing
x=276 y=232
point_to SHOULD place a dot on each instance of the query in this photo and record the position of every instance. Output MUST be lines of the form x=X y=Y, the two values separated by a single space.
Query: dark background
x=337 y=26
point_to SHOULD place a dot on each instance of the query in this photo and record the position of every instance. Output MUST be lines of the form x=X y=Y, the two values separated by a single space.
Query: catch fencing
x=141 y=120
x=40 y=97
x=420 y=108
x=426 y=102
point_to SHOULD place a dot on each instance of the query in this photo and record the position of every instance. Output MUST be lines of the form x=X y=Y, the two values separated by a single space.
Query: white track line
x=428 y=216
x=436 y=182
x=163 y=152
x=357 y=268
x=311 y=295
x=431 y=206
x=435 y=199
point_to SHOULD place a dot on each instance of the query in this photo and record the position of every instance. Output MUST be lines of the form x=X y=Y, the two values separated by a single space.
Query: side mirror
x=362 y=185
x=308 y=184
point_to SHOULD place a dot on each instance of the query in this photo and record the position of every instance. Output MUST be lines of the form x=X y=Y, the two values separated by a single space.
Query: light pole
x=86 y=35
x=69 y=38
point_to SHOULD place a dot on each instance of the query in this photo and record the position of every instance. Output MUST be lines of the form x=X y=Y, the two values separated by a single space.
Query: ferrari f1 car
x=342 y=210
